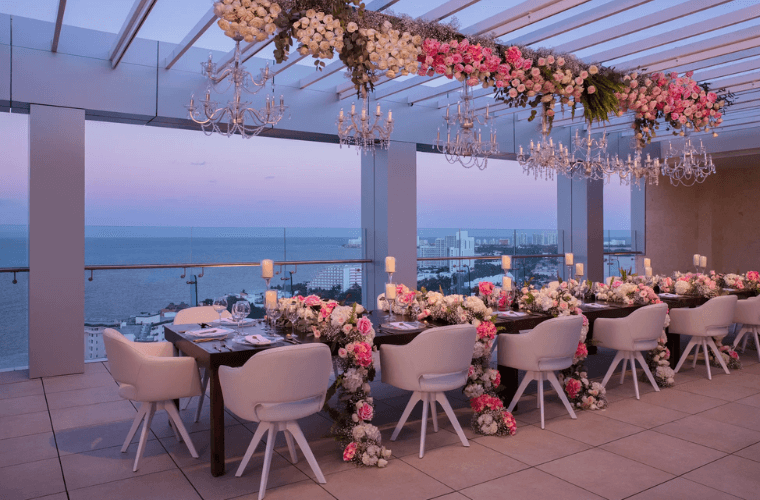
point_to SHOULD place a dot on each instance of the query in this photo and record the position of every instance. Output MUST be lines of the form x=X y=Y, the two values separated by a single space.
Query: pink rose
x=581 y=351
x=365 y=412
x=312 y=300
x=349 y=452
x=342 y=352
x=486 y=288
x=364 y=325
x=572 y=387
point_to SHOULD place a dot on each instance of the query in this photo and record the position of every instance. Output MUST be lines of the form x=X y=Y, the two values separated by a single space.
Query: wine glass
x=273 y=314
x=292 y=315
x=220 y=305
x=240 y=310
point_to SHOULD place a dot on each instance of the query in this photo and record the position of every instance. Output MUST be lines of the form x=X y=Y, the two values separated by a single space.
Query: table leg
x=510 y=383
x=217 y=423
x=674 y=345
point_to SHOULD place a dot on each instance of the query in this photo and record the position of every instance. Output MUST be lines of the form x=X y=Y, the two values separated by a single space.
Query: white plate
x=255 y=340
x=209 y=332
x=230 y=321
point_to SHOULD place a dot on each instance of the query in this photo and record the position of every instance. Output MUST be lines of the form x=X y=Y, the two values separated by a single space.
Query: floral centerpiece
x=493 y=296
x=752 y=281
x=626 y=292
x=735 y=281
x=406 y=303
x=697 y=284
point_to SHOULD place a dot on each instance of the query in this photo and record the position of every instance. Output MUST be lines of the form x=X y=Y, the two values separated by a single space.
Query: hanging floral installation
x=375 y=45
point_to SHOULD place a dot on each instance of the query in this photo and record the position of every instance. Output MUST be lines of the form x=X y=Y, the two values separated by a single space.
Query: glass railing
x=535 y=256
x=14 y=329
x=620 y=250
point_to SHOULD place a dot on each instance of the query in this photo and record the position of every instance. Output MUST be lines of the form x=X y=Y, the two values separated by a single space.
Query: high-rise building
x=344 y=277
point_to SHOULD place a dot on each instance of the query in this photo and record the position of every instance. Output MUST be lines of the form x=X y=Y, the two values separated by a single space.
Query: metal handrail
x=493 y=257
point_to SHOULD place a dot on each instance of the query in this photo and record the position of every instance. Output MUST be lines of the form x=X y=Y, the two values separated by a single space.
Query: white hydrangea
x=353 y=378
x=320 y=34
x=682 y=287
x=251 y=20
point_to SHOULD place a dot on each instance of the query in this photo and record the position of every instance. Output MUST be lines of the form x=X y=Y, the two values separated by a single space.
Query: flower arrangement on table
x=752 y=282
x=492 y=296
x=406 y=303
x=696 y=284
x=556 y=299
x=627 y=292
x=729 y=280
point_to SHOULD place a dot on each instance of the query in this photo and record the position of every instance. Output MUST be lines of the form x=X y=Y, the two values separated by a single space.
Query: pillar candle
x=703 y=261
x=696 y=259
x=271 y=299
x=568 y=259
x=390 y=291
x=506 y=262
x=506 y=283
x=390 y=264
x=267 y=268
x=579 y=269
x=648 y=272
x=647 y=262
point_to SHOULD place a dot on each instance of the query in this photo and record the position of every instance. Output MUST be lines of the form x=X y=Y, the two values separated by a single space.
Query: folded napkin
x=401 y=325
x=257 y=339
x=671 y=295
x=208 y=332
x=510 y=314
x=594 y=305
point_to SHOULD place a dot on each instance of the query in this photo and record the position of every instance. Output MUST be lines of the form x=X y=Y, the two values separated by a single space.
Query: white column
x=56 y=241
x=389 y=216
x=580 y=217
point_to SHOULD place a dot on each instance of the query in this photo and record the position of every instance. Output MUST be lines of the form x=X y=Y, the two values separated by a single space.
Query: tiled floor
x=60 y=439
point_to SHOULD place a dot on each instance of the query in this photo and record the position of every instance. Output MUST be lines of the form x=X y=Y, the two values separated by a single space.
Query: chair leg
x=552 y=377
x=416 y=396
x=685 y=354
x=696 y=356
x=204 y=385
x=633 y=373
x=709 y=341
x=707 y=359
x=622 y=372
x=757 y=341
x=746 y=337
x=433 y=410
x=742 y=335
x=132 y=430
x=295 y=430
x=174 y=429
x=291 y=447
x=260 y=430
x=423 y=431
x=144 y=434
x=541 y=396
x=611 y=370
x=174 y=416
x=444 y=402
x=647 y=371
x=525 y=381
x=271 y=436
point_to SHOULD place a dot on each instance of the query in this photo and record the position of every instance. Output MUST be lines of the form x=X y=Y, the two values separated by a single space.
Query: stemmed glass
x=292 y=315
x=220 y=305
x=509 y=295
x=240 y=310
x=273 y=314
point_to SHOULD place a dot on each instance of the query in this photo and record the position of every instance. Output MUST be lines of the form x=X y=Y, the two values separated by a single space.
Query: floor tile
x=641 y=414
x=452 y=496
x=408 y=440
x=83 y=397
x=736 y=414
x=681 y=489
x=20 y=389
x=734 y=475
x=96 y=367
x=109 y=464
x=303 y=490
x=530 y=484
x=753 y=400
x=167 y=485
x=717 y=389
x=396 y=481
x=24 y=425
x=31 y=480
x=666 y=453
x=719 y=436
x=14 y=376
x=751 y=452
x=533 y=446
x=56 y=496
x=528 y=413
x=329 y=455
x=79 y=381
x=617 y=392
x=85 y=416
x=458 y=467
x=161 y=421
x=594 y=469
x=26 y=449
x=19 y=406
x=236 y=441
x=687 y=402
x=229 y=486
x=95 y=437
x=591 y=428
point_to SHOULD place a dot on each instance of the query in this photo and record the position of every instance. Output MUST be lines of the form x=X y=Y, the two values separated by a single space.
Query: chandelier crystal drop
x=637 y=170
x=687 y=165
x=544 y=159
x=356 y=130
x=237 y=117
x=590 y=159
x=467 y=146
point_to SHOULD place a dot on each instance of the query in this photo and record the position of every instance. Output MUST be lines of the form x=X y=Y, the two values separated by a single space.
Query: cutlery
x=200 y=341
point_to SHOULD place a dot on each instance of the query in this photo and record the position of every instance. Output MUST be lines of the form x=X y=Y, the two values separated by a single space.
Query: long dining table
x=226 y=352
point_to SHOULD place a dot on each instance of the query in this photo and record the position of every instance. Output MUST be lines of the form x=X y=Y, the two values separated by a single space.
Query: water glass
x=220 y=305
x=240 y=310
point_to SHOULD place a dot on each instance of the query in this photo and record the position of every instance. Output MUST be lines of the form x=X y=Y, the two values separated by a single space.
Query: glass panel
x=14 y=241
x=617 y=229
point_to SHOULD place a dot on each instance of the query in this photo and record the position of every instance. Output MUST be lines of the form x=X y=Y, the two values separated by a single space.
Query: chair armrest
x=156 y=349
x=163 y=378
x=686 y=321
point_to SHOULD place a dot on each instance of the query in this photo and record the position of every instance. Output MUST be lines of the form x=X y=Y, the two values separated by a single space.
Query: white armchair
x=747 y=315
x=150 y=374
x=436 y=361
x=709 y=320
x=276 y=388
x=200 y=314
x=540 y=352
x=639 y=331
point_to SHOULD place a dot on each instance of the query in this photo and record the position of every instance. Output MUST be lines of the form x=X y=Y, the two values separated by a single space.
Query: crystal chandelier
x=468 y=147
x=637 y=170
x=237 y=116
x=590 y=158
x=360 y=133
x=688 y=165
x=544 y=159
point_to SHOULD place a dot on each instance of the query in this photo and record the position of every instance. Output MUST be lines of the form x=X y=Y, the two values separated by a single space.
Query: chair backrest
x=442 y=350
x=557 y=337
x=748 y=311
x=647 y=323
x=278 y=375
x=718 y=312
x=123 y=360
x=200 y=314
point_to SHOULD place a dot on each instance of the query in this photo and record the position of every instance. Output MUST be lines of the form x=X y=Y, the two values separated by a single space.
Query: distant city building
x=505 y=242
x=460 y=245
x=94 y=347
x=344 y=277
x=354 y=243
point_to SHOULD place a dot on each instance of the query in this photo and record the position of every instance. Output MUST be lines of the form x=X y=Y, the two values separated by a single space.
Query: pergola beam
x=137 y=16
x=58 y=25
x=514 y=13
x=198 y=30
x=446 y=9
x=727 y=70
x=715 y=61
x=737 y=80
